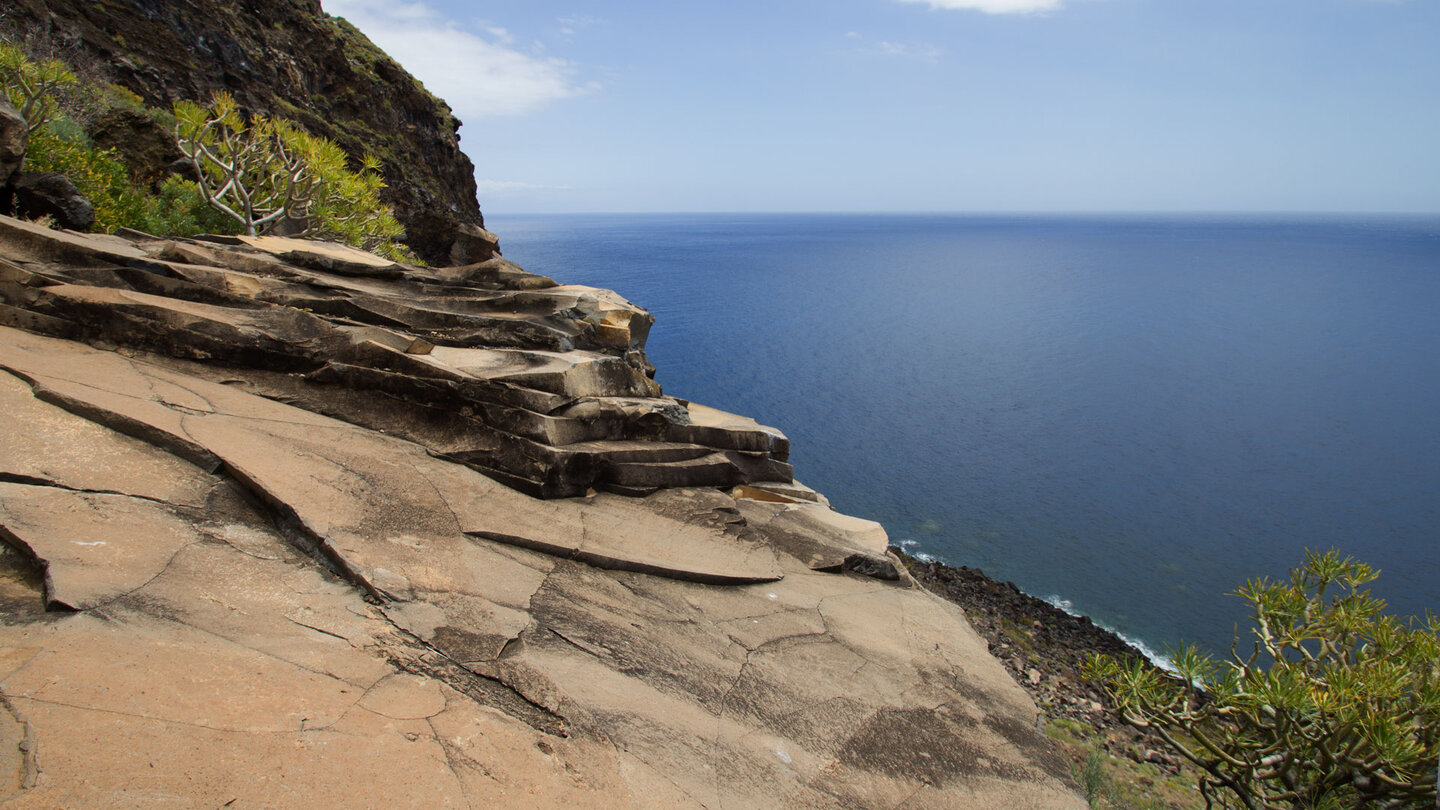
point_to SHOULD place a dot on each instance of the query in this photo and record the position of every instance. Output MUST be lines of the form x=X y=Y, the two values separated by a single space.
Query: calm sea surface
x=1132 y=415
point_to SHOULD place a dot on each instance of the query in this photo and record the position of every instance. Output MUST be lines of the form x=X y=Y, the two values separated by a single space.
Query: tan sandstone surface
x=258 y=553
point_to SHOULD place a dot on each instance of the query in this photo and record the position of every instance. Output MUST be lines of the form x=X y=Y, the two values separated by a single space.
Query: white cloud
x=480 y=74
x=919 y=51
x=570 y=25
x=923 y=51
x=994 y=6
x=500 y=187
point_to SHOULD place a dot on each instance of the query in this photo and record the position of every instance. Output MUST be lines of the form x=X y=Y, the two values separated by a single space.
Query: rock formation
x=272 y=538
x=13 y=139
x=284 y=58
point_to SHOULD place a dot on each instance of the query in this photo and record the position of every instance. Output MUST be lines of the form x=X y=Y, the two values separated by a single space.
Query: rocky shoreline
x=1044 y=649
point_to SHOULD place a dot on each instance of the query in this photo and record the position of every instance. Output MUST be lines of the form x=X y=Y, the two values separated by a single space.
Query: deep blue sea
x=1129 y=415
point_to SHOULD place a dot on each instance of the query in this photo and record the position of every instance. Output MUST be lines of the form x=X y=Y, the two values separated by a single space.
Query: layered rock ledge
x=274 y=536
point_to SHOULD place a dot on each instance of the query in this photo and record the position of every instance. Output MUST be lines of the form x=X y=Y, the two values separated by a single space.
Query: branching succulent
x=247 y=169
x=262 y=171
x=1333 y=705
x=32 y=86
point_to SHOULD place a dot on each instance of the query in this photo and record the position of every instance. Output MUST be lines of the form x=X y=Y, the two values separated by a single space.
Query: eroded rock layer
x=212 y=593
x=542 y=386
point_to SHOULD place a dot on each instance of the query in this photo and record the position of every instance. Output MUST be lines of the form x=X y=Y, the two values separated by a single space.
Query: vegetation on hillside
x=1335 y=704
x=249 y=175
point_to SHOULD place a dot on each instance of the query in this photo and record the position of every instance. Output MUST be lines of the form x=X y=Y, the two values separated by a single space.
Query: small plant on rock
x=1336 y=705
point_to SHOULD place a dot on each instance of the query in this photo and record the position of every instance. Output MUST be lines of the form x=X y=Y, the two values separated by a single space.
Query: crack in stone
x=29 y=746
x=491 y=691
x=620 y=746
x=36 y=481
x=451 y=755
x=293 y=527
x=154 y=719
x=106 y=615
x=319 y=630
x=440 y=496
x=99 y=607
x=47 y=586
x=912 y=794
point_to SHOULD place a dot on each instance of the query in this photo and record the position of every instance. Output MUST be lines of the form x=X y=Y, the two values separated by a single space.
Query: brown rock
x=276 y=570
x=479 y=673
x=472 y=244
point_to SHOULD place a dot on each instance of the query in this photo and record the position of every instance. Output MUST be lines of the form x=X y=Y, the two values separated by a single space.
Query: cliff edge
x=246 y=565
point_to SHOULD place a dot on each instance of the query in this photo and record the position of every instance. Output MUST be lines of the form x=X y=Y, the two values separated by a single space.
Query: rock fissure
x=147 y=717
x=428 y=660
x=28 y=746
x=452 y=755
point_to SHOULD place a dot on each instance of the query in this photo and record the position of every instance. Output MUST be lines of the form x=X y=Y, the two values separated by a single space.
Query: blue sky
x=933 y=105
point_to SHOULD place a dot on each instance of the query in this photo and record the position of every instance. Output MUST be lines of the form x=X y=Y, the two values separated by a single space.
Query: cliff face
x=285 y=58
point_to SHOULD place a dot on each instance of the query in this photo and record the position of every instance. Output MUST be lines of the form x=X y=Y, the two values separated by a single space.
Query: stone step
x=717 y=428
x=574 y=373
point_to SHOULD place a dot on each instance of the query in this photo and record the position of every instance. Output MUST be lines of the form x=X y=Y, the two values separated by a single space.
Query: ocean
x=1127 y=415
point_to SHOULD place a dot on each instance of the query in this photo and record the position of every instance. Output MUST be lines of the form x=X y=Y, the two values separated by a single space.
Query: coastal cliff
x=245 y=563
x=284 y=523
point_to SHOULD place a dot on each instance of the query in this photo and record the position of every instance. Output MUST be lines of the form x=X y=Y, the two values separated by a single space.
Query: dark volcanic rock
x=47 y=194
x=285 y=58
x=13 y=139
x=148 y=149
x=473 y=244
x=1043 y=647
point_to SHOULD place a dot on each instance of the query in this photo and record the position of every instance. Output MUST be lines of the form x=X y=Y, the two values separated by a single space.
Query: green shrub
x=252 y=174
x=99 y=174
x=1336 y=705
x=180 y=210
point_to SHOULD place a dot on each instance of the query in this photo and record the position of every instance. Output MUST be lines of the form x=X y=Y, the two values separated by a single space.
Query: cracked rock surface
x=213 y=592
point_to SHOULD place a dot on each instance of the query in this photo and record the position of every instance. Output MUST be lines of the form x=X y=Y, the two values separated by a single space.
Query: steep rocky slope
x=285 y=58
x=214 y=594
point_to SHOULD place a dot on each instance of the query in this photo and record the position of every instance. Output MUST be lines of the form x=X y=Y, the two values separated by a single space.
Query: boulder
x=473 y=244
x=13 y=139
x=47 y=194
x=148 y=149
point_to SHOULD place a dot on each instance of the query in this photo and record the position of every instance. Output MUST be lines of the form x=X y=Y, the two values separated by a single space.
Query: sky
x=933 y=105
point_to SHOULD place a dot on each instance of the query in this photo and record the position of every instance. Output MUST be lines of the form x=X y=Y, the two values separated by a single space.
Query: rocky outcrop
x=542 y=386
x=148 y=149
x=284 y=58
x=13 y=140
x=250 y=559
x=49 y=195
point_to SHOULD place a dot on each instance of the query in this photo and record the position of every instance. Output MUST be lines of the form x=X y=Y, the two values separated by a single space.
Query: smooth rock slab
x=328 y=474
x=95 y=548
x=46 y=444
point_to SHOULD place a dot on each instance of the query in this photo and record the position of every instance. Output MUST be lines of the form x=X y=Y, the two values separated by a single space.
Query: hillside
x=286 y=58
